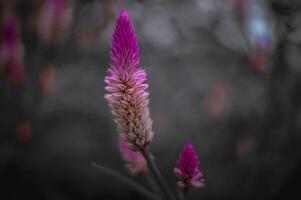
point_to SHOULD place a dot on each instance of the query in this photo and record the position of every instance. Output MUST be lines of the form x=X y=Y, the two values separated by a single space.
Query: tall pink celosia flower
x=187 y=169
x=126 y=91
x=135 y=160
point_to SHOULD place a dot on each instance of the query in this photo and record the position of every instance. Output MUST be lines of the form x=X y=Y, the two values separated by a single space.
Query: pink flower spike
x=135 y=160
x=127 y=94
x=187 y=169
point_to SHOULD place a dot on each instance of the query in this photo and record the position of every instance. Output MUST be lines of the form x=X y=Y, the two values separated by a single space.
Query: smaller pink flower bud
x=187 y=169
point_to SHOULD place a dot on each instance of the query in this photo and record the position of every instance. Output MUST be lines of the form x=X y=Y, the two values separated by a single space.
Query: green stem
x=157 y=175
x=151 y=182
x=127 y=181
x=181 y=195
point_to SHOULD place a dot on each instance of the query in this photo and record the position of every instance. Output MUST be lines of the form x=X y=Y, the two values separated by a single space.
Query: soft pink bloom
x=9 y=39
x=187 y=169
x=259 y=34
x=47 y=79
x=55 y=17
x=126 y=91
x=16 y=74
x=9 y=36
x=217 y=100
x=258 y=58
x=135 y=160
x=23 y=132
x=11 y=49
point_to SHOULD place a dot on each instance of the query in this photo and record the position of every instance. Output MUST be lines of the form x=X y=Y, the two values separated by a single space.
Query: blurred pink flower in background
x=126 y=91
x=16 y=74
x=241 y=9
x=244 y=146
x=23 y=132
x=134 y=159
x=187 y=169
x=259 y=55
x=259 y=35
x=11 y=50
x=253 y=23
x=47 y=79
x=55 y=16
x=217 y=100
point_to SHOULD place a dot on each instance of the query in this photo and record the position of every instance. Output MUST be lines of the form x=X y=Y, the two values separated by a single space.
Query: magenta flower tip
x=124 y=50
x=187 y=168
x=124 y=14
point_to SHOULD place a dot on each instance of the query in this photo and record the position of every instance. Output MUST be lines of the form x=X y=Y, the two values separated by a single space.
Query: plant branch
x=157 y=175
x=127 y=181
x=151 y=182
x=181 y=194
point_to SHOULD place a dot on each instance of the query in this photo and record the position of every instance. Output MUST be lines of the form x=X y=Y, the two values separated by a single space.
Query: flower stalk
x=157 y=174
x=127 y=181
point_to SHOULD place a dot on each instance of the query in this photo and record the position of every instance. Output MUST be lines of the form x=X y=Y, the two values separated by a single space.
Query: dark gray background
x=187 y=48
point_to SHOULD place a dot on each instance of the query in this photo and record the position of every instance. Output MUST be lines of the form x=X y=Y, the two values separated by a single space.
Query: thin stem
x=157 y=175
x=245 y=40
x=181 y=195
x=185 y=192
x=127 y=181
x=151 y=182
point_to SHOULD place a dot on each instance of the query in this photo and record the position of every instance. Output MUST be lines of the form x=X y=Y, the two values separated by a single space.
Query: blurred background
x=224 y=75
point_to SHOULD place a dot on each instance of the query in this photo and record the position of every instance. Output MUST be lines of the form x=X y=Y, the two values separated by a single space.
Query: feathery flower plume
x=126 y=91
x=135 y=160
x=187 y=169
